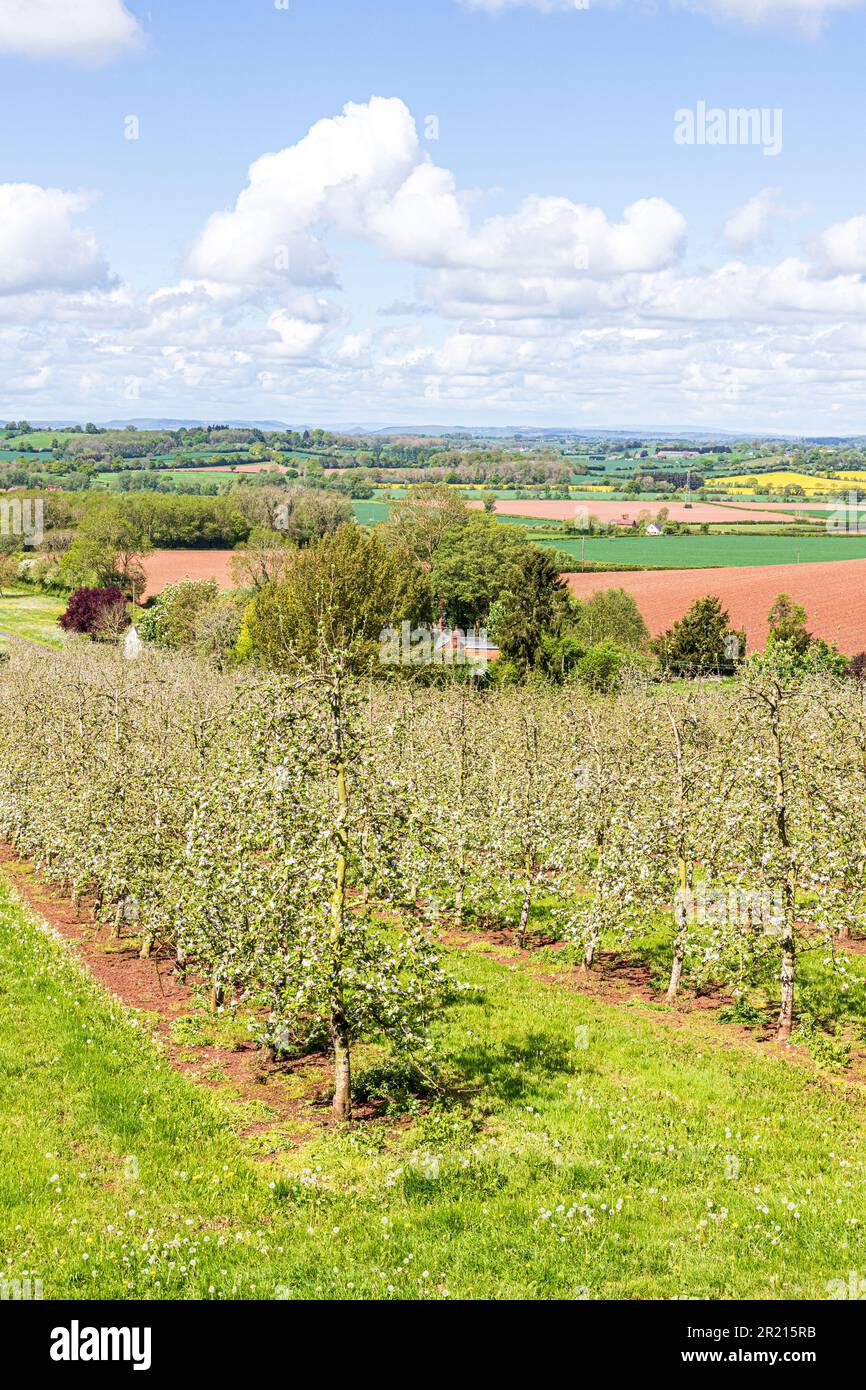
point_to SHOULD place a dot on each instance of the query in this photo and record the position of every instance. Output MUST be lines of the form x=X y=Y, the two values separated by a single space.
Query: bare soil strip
x=151 y=985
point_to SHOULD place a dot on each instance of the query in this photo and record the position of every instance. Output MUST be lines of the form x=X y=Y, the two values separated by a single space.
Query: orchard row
x=299 y=844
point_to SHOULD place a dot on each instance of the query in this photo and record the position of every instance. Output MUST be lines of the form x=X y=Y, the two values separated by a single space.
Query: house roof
x=476 y=641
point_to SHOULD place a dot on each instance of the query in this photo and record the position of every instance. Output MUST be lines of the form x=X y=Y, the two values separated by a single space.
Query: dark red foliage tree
x=88 y=609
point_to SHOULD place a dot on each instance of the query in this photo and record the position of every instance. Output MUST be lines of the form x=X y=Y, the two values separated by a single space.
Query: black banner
x=138 y=1339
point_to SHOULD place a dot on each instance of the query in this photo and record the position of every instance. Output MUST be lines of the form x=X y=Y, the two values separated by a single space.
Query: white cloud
x=739 y=293
x=554 y=310
x=300 y=329
x=88 y=31
x=355 y=348
x=40 y=249
x=751 y=224
x=422 y=220
x=842 y=247
x=365 y=174
x=556 y=236
x=341 y=170
x=808 y=16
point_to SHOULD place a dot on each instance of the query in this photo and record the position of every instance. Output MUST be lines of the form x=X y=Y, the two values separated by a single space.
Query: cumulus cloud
x=337 y=174
x=556 y=236
x=299 y=329
x=364 y=174
x=88 y=31
x=740 y=293
x=842 y=247
x=40 y=249
x=751 y=224
x=553 y=309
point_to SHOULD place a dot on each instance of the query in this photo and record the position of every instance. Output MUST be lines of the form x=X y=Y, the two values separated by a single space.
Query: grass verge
x=32 y=616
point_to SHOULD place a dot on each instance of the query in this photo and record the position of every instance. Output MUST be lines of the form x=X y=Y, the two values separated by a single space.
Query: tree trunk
x=786 y=1011
x=788 y=943
x=679 y=949
x=118 y=918
x=524 y=916
x=458 y=903
x=590 y=948
x=342 y=1108
x=342 y=1066
x=676 y=967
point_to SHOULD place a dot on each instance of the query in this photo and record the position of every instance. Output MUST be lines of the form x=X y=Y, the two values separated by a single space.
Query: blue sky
x=732 y=295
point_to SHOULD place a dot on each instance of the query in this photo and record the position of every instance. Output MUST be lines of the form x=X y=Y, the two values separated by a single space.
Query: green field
x=30 y=457
x=699 y=552
x=370 y=513
x=199 y=475
x=33 y=616
x=643 y=1161
x=40 y=439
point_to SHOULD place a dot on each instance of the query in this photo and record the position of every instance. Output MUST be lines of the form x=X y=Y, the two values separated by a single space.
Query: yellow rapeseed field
x=786 y=478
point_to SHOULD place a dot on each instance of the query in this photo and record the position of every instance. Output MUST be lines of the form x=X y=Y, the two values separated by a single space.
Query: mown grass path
x=31 y=617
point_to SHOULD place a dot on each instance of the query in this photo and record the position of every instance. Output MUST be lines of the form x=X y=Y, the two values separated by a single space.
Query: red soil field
x=168 y=566
x=606 y=510
x=833 y=595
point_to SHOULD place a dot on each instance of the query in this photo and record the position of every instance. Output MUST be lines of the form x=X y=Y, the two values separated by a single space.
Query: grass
x=33 y=616
x=39 y=439
x=585 y=1151
x=202 y=474
x=698 y=552
x=370 y=513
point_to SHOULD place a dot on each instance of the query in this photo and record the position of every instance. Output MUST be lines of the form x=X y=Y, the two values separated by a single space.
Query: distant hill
x=528 y=432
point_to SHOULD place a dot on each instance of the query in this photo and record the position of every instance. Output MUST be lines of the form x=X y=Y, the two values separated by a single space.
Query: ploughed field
x=168 y=566
x=607 y=510
x=833 y=594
